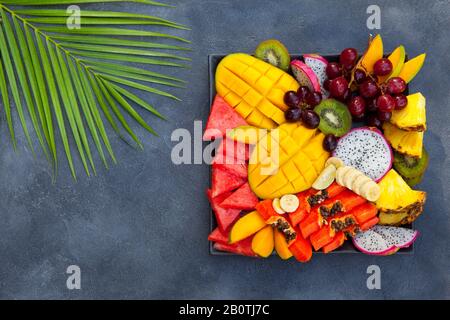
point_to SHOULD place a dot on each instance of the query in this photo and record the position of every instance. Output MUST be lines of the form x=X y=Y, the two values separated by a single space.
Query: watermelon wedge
x=230 y=151
x=243 y=199
x=243 y=247
x=238 y=169
x=224 y=217
x=218 y=235
x=221 y=118
x=222 y=182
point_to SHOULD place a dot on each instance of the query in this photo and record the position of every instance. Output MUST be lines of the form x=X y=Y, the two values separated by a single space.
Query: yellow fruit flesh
x=254 y=88
x=397 y=58
x=263 y=242
x=281 y=245
x=246 y=226
x=374 y=52
x=290 y=166
x=408 y=142
x=246 y=134
x=412 y=67
x=413 y=116
x=396 y=195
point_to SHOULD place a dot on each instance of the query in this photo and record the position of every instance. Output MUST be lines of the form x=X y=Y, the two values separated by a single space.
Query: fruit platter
x=315 y=154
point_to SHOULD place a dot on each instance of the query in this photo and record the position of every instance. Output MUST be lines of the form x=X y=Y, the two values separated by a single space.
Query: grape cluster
x=367 y=100
x=301 y=104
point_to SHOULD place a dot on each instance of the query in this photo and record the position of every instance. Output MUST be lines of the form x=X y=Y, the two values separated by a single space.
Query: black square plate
x=213 y=61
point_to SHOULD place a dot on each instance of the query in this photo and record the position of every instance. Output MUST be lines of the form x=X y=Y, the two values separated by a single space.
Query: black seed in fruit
x=338 y=87
x=360 y=76
x=313 y=98
x=400 y=101
x=291 y=99
x=293 y=114
x=330 y=142
x=302 y=92
x=368 y=88
x=333 y=70
x=310 y=119
x=372 y=120
x=384 y=116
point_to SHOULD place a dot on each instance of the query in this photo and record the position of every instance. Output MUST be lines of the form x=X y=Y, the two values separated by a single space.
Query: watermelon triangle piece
x=243 y=247
x=221 y=118
x=243 y=198
x=225 y=217
x=230 y=150
x=222 y=182
x=238 y=169
x=218 y=235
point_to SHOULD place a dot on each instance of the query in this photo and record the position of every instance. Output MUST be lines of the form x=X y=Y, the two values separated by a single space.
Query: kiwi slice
x=414 y=181
x=334 y=116
x=410 y=167
x=274 y=52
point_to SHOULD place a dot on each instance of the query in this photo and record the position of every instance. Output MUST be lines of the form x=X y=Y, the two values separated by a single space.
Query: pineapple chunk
x=413 y=116
x=408 y=142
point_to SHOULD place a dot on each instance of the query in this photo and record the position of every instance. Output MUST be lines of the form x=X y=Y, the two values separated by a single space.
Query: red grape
x=385 y=103
x=348 y=58
x=293 y=114
x=382 y=67
x=384 y=116
x=326 y=84
x=357 y=106
x=372 y=120
x=330 y=142
x=291 y=99
x=368 y=88
x=359 y=118
x=338 y=87
x=396 y=85
x=313 y=98
x=310 y=119
x=360 y=76
x=371 y=105
x=302 y=92
x=333 y=70
x=400 y=101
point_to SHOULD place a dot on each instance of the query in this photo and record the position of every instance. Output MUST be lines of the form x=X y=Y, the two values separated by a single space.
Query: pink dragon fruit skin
x=318 y=64
x=305 y=75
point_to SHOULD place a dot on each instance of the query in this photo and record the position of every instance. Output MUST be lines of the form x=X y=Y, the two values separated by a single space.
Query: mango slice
x=281 y=245
x=373 y=53
x=263 y=242
x=412 y=67
x=246 y=226
x=254 y=88
x=287 y=160
x=246 y=134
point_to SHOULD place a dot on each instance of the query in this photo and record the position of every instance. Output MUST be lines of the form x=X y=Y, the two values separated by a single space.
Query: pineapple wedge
x=408 y=142
x=413 y=116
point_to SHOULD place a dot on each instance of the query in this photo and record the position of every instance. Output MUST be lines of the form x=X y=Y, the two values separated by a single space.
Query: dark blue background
x=139 y=230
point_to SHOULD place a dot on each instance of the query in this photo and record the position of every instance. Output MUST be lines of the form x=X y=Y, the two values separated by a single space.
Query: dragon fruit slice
x=305 y=75
x=318 y=64
x=396 y=236
x=370 y=242
x=367 y=150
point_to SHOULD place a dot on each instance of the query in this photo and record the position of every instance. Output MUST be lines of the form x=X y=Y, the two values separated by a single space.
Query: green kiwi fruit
x=414 y=181
x=410 y=167
x=334 y=116
x=274 y=52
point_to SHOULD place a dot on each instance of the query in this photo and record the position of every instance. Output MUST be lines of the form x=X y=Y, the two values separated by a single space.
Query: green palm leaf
x=76 y=76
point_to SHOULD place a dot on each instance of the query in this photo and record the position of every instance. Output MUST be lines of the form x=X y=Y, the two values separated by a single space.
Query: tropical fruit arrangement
x=314 y=152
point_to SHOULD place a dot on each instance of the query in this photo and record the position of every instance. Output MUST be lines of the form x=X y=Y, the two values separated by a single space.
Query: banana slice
x=289 y=203
x=276 y=206
x=340 y=173
x=371 y=191
x=350 y=176
x=325 y=178
x=335 y=162
x=359 y=182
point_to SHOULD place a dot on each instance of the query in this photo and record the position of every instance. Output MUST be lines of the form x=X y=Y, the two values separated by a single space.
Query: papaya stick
x=336 y=243
x=364 y=212
x=310 y=224
x=369 y=224
x=301 y=249
x=350 y=200
x=321 y=238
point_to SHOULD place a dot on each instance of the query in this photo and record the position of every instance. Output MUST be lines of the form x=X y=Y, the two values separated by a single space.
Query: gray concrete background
x=139 y=230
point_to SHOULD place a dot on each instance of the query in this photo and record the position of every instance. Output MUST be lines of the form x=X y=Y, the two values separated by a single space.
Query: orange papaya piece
x=369 y=224
x=342 y=222
x=322 y=237
x=350 y=200
x=282 y=224
x=364 y=212
x=303 y=209
x=301 y=249
x=336 y=243
x=310 y=224
x=334 y=189
x=265 y=209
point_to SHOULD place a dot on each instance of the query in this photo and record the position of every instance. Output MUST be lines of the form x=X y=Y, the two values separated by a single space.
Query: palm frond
x=78 y=75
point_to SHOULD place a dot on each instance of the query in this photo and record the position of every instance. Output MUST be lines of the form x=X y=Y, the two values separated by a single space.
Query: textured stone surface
x=139 y=230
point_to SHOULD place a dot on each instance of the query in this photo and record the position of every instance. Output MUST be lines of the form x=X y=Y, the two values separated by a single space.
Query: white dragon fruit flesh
x=318 y=65
x=305 y=75
x=367 y=150
x=370 y=242
x=397 y=236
